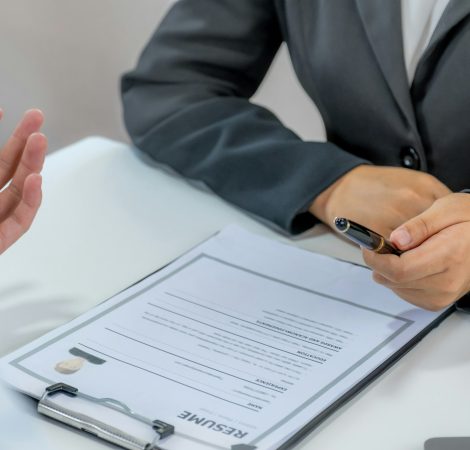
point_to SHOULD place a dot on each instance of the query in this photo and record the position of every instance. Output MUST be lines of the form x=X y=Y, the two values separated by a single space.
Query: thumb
x=444 y=212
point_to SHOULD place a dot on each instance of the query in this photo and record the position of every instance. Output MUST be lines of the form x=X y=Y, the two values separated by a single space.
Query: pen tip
x=341 y=223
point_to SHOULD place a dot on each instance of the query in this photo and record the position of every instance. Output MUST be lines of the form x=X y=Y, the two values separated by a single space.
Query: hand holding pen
x=432 y=271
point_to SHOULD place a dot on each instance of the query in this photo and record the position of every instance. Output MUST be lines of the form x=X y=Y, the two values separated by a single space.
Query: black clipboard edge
x=359 y=387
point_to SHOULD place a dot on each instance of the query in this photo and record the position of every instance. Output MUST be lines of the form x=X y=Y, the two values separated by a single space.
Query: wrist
x=320 y=205
x=323 y=207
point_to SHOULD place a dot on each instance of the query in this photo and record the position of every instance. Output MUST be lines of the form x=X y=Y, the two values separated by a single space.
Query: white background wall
x=66 y=57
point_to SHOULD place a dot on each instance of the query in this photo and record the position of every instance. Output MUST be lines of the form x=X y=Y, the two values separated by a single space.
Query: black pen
x=364 y=237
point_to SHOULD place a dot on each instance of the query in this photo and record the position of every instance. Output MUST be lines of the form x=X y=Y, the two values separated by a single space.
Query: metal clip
x=95 y=427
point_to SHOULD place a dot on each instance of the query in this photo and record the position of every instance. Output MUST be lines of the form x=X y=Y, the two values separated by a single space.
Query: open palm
x=21 y=161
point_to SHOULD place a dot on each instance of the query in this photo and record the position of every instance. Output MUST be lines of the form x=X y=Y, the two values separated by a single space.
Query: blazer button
x=410 y=158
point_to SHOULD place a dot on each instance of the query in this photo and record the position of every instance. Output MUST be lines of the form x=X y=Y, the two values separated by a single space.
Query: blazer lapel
x=382 y=23
x=455 y=12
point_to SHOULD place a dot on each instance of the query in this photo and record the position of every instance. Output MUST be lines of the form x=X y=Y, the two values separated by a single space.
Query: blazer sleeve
x=187 y=105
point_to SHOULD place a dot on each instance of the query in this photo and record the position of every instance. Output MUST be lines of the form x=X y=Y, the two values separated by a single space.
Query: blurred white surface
x=16 y=416
x=67 y=57
x=108 y=219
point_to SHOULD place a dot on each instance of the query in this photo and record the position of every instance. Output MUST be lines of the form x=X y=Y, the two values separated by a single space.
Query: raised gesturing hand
x=21 y=161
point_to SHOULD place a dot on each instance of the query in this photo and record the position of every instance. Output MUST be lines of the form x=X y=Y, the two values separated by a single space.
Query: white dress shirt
x=419 y=19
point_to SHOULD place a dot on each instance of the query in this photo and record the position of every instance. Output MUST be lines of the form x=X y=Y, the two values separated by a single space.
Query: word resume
x=241 y=343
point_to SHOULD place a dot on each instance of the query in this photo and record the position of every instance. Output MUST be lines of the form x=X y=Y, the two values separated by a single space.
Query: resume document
x=240 y=343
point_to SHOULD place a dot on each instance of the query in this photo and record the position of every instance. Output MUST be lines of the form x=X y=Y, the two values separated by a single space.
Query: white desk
x=108 y=219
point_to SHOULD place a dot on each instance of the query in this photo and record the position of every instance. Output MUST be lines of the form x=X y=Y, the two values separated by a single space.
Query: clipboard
x=164 y=430
x=233 y=256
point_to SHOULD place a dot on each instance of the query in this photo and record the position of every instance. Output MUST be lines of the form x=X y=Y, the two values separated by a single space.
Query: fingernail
x=401 y=237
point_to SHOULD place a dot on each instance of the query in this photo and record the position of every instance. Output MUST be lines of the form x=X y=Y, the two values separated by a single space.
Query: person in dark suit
x=390 y=79
x=21 y=161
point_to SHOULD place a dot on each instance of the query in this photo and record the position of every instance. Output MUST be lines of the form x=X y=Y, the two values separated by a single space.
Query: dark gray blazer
x=187 y=102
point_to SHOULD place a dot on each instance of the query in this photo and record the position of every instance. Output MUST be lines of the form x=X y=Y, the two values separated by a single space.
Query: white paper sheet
x=241 y=341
